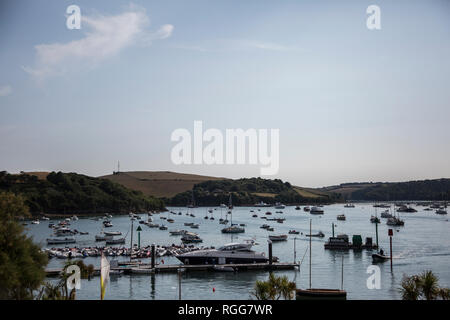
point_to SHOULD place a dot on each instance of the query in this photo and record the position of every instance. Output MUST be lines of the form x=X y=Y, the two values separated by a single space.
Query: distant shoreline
x=65 y=215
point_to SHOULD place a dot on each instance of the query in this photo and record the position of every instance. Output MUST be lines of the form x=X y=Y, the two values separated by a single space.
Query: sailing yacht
x=192 y=205
x=233 y=228
x=230 y=205
x=386 y=214
x=320 y=294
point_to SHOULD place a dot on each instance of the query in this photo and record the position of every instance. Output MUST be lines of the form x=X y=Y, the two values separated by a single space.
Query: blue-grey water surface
x=423 y=243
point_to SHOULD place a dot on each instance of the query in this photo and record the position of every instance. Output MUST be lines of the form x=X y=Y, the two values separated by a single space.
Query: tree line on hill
x=432 y=190
x=247 y=191
x=71 y=193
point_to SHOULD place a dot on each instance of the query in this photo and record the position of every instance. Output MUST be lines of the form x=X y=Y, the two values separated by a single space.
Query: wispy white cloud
x=105 y=37
x=5 y=90
x=190 y=47
x=221 y=45
x=266 y=46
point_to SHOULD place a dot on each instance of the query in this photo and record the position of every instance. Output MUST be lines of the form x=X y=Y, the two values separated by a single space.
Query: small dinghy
x=320 y=234
x=113 y=233
x=379 y=257
x=281 y=237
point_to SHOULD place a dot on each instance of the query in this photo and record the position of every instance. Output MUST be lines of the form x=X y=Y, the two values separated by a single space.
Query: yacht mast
x=310 y=254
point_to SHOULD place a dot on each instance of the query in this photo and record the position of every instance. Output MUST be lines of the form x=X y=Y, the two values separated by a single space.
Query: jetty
x=174 y=268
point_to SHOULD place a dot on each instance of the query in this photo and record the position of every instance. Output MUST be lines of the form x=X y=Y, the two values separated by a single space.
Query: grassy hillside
x=311 y=193
x=158 y=183
x=71 y=193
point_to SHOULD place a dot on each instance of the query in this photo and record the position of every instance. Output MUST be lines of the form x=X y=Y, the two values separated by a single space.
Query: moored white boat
x=282 y=237
x=316 y=210
x=232 y=253
x=60 y=241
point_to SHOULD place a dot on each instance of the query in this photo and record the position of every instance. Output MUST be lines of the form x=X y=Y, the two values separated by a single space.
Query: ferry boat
x=316 y=210
x=232 y=253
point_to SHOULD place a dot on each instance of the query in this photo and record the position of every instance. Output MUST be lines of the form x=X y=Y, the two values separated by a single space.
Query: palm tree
x=59 y=291
x=409 y=289
x=444 y=293
x=423 y=286
x=274 y=288
x=429 y=285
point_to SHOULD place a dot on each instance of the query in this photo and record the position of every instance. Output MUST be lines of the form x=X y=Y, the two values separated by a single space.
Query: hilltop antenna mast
x=118 y=166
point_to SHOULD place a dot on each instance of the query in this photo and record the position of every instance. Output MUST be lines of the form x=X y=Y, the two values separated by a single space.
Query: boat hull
x=376 y=257
x=197 y=260
x=320 y=294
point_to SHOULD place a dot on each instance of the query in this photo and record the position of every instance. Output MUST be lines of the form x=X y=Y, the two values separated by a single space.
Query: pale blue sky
x=351 y=104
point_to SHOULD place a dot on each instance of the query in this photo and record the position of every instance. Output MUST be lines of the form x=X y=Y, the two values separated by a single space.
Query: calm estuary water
x=423 y=243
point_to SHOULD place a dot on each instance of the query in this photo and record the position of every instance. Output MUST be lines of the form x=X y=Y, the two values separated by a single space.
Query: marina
x=417 y=245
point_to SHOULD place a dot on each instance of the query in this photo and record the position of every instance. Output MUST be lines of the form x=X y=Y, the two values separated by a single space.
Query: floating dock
x=162 y=268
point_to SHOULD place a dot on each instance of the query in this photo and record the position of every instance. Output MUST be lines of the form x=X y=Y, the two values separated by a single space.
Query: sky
x=351 y=104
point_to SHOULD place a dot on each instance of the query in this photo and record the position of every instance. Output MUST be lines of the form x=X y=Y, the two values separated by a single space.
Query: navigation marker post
x=139 y=229
x=390 y=234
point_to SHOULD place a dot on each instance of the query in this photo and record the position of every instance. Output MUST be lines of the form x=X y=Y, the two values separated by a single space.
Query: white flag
x=104 y=275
